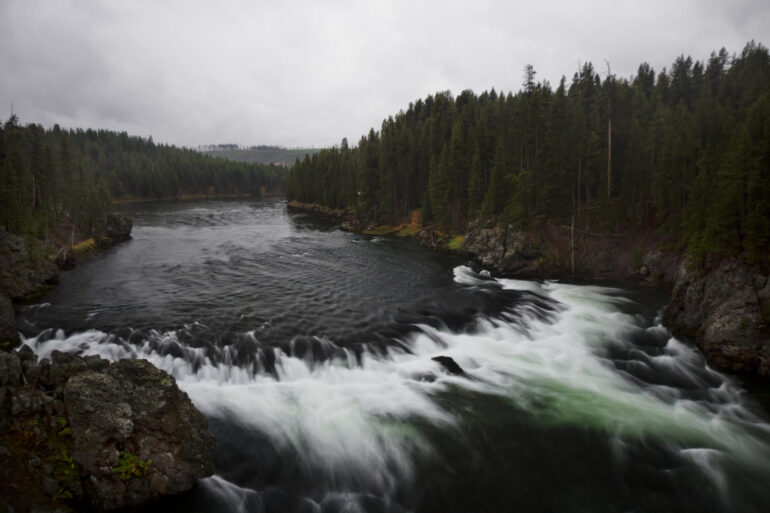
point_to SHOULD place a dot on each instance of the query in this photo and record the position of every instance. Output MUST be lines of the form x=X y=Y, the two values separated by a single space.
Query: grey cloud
x=310 y=72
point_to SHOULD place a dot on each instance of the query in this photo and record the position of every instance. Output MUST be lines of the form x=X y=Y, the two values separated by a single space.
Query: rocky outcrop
x=21 y=275
x=25 y=274
x=81 y=433
x=117 y=229
x=508 y=250
x=9 y=337
x=549 y=250
x=724 y=307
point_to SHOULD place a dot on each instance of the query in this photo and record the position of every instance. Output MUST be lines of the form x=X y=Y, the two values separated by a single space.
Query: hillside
x=260 y=154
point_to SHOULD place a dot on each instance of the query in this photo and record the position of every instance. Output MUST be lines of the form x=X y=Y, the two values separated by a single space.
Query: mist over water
x=311 y=352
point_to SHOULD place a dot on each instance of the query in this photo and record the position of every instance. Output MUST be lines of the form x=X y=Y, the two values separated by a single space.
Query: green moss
x=63 y=428
x=637 y=257
x=131 y=466
x=456 y=243
x=66 y=469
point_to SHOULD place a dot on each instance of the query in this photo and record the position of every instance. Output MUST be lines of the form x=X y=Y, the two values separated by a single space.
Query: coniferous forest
x=684 y=150
x=56 y=176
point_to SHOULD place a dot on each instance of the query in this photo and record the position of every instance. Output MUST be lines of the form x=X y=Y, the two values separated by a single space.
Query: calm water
x=310 y=351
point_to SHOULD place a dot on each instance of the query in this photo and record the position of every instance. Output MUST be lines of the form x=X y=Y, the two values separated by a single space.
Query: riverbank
x=28 y=270
x=722 y=306
x=81 y=433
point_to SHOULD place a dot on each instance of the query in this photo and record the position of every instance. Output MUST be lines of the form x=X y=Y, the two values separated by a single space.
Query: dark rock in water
x=103 y=436
x=9 y=336
x=724 y=307
x=449 y=364
x=118 y=229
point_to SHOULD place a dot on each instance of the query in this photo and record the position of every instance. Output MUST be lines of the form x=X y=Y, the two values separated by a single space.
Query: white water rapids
x=362 y=420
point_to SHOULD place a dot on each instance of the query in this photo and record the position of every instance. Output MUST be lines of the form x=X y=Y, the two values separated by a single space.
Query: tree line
x=685 y=150
x=54 y=176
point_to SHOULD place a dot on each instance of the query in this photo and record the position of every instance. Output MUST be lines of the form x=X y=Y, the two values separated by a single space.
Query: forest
x=264 y=154
x=684 y=151
x=54 y=176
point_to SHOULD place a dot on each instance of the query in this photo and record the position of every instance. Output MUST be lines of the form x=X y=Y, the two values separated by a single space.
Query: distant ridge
x=262 y=154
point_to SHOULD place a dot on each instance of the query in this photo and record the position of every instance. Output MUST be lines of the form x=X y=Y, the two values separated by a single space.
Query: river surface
x=311 y=353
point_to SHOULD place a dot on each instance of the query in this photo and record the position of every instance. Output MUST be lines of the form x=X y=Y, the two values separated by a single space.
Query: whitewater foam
x=354 y=415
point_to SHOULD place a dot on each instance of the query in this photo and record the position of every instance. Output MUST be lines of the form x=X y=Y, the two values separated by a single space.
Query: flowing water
x=311 y=352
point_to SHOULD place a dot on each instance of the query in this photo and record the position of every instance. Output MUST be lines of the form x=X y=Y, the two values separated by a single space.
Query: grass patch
x=85 y=247
x=407 y=231
x=456 y=243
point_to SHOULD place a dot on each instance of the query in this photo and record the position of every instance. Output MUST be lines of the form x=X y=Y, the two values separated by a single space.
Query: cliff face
x=80 y=433
x=20 y=275
x=722 y=306
x=548 y=250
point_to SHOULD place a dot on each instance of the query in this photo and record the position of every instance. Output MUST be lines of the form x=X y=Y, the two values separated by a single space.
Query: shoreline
x=466 y=243
x=722 y=306
x=25 y=276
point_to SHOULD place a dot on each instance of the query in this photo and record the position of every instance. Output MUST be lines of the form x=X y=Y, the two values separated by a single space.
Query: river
x=310 y=351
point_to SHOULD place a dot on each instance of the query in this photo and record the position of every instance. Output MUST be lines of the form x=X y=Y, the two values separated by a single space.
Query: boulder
x=448 y=363
x=134 y=410
x=104 y=436
x=118 y=228
x=508 y=250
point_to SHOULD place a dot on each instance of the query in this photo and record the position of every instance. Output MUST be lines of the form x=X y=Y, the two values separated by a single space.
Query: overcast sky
x=193 y=72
